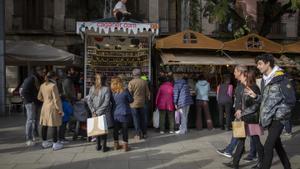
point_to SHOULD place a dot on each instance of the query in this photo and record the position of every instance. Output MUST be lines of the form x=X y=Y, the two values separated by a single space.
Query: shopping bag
x=97 y=126
x=156 y=118
x=238 y=129
x=177 y=116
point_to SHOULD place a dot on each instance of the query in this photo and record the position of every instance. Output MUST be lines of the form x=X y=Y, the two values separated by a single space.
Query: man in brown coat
x=140 y=92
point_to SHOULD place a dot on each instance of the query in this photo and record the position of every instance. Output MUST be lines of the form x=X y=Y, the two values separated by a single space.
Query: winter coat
x=250 y=108
x=100 y=103
x=67 y=109
x=224 y=93
x=121 y=108
x=138 y=88
x=164 y=97
x=30 y=89
x=202 y=89
x=182 y=95
x=49 y=95
x=274 y=103
x=68 y=89
x=238 y=93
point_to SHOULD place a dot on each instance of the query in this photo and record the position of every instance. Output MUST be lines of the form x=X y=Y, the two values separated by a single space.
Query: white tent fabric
x=33 y=53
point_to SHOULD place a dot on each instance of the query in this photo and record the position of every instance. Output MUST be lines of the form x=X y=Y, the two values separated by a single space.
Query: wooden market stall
x=191 y=53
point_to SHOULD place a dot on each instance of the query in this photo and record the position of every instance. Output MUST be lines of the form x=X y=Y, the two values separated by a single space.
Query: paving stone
x=7 y=166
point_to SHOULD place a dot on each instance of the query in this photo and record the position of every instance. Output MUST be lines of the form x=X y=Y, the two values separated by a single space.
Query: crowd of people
x=265 y=105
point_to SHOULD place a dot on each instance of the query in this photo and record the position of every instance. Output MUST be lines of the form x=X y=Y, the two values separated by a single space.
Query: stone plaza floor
x=195 y=150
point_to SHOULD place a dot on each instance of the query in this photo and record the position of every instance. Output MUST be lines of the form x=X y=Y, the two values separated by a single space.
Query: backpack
x=288 y=91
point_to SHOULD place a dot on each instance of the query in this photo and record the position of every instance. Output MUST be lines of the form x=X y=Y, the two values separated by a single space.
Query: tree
x=195 y=12
x=224 y=10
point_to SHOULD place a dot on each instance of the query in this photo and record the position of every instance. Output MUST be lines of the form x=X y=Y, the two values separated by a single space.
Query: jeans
x=139 y=121
x=37 y=119
x=117 y=126
x=184 y=119
x=203 y=104
x=252 y=153
x=230 y=148
x=288 y=126
x=54 y=133
x=274 y=141
x=241 y=147
x=225 y=108
x=162 y=119
x=31 y=120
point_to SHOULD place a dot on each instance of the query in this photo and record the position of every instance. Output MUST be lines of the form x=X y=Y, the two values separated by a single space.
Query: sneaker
x=179 y=132
x=250 y=159
x=162 y=132
x=46 y=144
x=65 y=141
x=289 y=135
x=171 y=132
x=35 y=139
x=57 y=146
x=30 y=143
x=223 y=153
x=137 y=137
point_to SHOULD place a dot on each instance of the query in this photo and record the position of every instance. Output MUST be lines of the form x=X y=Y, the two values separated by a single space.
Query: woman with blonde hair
x=51 y=113
x=249 y=113
x=99 y=104
x=121 y=111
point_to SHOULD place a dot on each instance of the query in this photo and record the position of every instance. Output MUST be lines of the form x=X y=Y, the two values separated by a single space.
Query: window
x=254 y=43
x=33 y=13
x=189 y=38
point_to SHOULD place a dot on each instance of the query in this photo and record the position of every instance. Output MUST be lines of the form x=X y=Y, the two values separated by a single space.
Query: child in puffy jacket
x=68 y=112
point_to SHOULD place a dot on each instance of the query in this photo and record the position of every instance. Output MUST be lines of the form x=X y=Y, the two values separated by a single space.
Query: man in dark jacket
x=30 y=88
x=277 y=100
x=68 y=89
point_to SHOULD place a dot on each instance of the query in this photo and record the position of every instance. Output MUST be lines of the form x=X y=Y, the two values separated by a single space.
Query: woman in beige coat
x=51 y=113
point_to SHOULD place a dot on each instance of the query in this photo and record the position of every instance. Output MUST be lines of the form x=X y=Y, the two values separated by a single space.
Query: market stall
x=116 y=48
x=191 y=53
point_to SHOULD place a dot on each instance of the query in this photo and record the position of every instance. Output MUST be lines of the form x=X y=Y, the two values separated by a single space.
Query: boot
x=104 y=145
x=125 y=147
x=98 y=144
x=117 y=145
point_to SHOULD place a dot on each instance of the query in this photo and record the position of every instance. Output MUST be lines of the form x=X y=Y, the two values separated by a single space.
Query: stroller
x=81 y=113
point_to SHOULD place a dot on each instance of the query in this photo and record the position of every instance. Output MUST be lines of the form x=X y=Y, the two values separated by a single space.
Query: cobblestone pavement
x=197 y=149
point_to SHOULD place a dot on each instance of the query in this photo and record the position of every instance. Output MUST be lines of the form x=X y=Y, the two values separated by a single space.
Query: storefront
x=116 y=48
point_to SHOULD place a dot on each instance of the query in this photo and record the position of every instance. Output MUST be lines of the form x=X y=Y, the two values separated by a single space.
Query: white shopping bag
x=156 y=118
x=97 y=126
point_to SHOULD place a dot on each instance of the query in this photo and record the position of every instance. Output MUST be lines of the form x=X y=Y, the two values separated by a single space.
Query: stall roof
x=25 y=52
x=193 y=59
x=253 y=43
x=189 y=40
x=292 y=48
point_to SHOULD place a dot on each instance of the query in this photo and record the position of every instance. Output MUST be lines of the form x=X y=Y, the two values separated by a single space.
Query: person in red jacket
x=165 y=104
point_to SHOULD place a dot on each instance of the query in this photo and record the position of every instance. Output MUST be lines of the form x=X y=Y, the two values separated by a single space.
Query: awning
x=188 y=59
x=253 y=43
x=292 y=48
x=33 y=53
x=188 y=40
